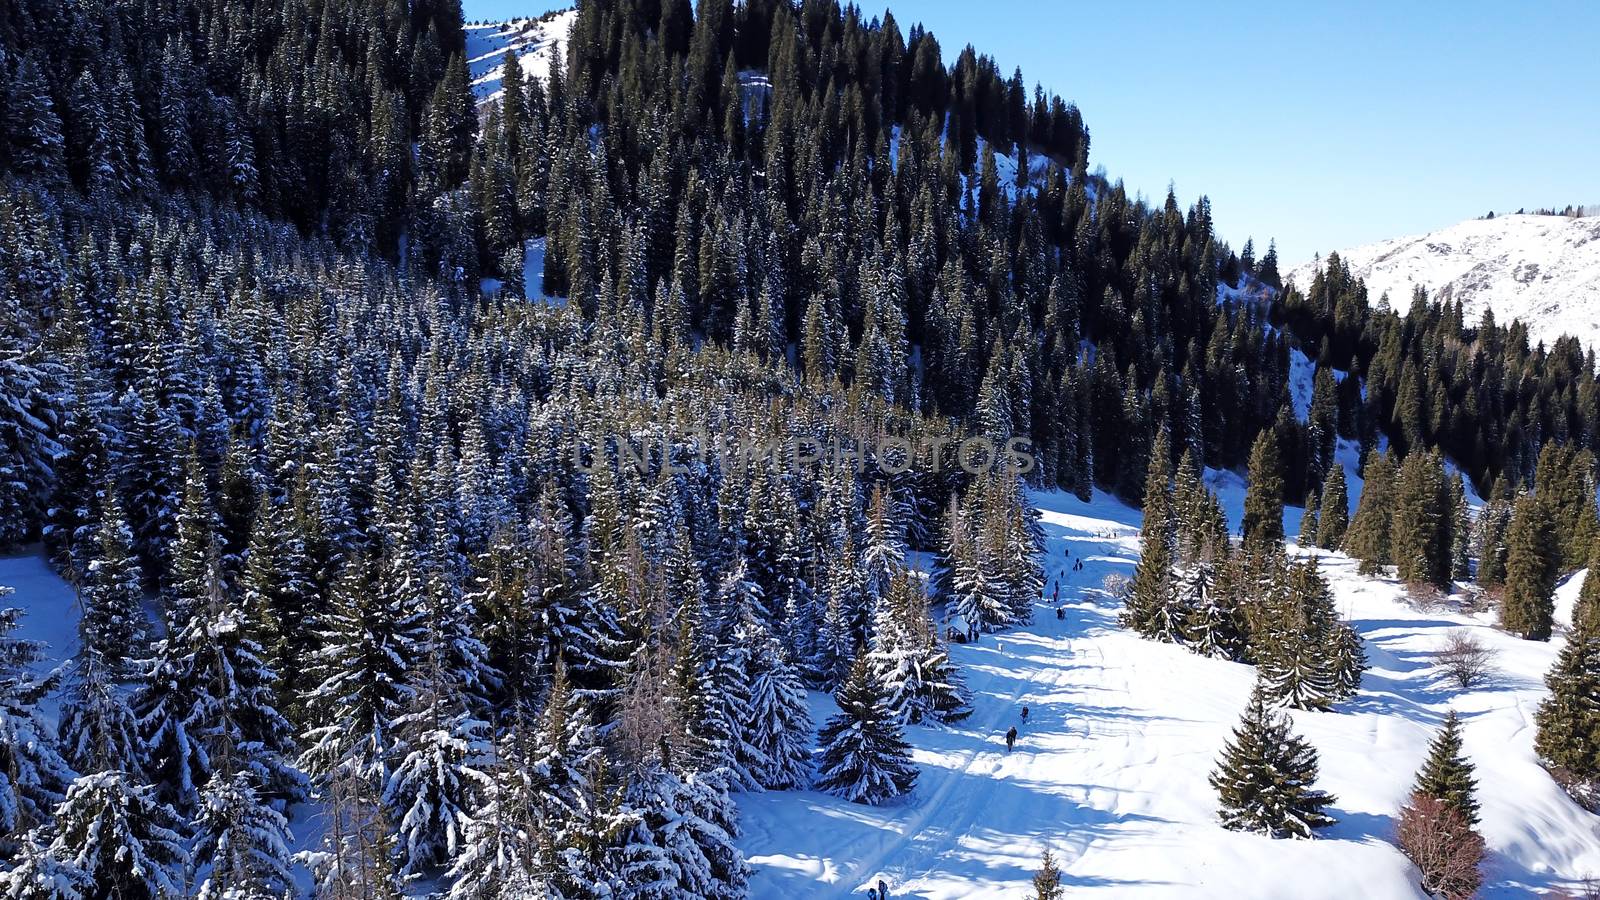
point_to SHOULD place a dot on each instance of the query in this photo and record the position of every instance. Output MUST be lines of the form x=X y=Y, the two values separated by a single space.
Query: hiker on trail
x=1011 y=738
x=1061 y=613
x=1055 y=595
x=883 y=890
x=1024 y=715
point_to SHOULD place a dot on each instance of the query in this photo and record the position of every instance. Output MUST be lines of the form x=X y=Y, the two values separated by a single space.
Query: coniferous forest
x=476 y=571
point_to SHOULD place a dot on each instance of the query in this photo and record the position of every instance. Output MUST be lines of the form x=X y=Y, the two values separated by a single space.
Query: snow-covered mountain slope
x=1110 y=770
x=1544 y=270
x=534 y=41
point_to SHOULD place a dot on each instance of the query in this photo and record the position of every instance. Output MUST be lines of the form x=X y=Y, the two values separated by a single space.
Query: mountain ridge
x=1541 y=269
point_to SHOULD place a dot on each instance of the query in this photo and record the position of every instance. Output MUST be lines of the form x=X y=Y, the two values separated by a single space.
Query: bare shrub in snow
x=1465 y=658
x=1117 y=585
x=1443 y=845
x=1425 y=597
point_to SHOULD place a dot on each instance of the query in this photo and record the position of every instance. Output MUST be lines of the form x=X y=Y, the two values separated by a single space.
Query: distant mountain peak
x=1541 y=269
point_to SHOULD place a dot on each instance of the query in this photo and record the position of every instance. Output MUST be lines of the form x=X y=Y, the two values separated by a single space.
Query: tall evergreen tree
x=1528 y=607
x=1266 y=777
x=864 y=757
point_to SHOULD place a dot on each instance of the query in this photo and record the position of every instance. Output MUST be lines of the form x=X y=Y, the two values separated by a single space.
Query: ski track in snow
x=1110 y=771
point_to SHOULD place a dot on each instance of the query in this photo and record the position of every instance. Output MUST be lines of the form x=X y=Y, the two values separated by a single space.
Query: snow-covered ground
x=1544 y=270
x=535 y=44
x=1110 y=771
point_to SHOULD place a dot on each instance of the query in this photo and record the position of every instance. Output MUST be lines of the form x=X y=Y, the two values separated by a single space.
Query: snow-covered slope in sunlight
x=1544 y=270
x=1110 y=770
x=534 y=41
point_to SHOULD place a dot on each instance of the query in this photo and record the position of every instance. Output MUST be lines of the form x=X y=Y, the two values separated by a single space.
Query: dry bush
x=1587 y=888
x=1425 y=597
x=1443 y=845
x=1117 y=585
x=1465 y=658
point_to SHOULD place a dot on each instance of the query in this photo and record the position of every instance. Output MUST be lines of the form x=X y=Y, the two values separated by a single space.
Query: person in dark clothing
x=883 y=889
x=1011 y=738
x=1061 y=613
x=1024 y=715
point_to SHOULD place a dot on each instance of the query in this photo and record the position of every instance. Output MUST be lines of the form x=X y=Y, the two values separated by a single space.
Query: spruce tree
x=1266 y=777
x=124 y=840
x=1263 y=501
x=1368 y=536
x=1447 y=774
x=1569 y=719
x=1047 y=880
x=864 y=757
x=1528 y=607
x=1151 y=607
x=1334 y=510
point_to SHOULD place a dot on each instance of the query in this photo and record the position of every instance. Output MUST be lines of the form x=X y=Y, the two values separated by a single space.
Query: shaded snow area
x=51 y=607
x=1544 y=270
x=1110 y=770
x=534 y=42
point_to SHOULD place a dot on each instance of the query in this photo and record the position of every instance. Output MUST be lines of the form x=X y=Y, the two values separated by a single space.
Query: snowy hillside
x=1544 y=270
x=1110 y=771
x=533 y=41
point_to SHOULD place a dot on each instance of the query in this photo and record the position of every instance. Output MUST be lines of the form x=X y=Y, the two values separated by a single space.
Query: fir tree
x=1569 y=719
x=123 y=840
x=1447 y=775
x=1266 y=777
x=1528 y=607
x=1263 y=502
x=910 y=662
x=245 y=841
x=864 y=757
x=1047 y=881
x=1368 y=536
x=1334 y=510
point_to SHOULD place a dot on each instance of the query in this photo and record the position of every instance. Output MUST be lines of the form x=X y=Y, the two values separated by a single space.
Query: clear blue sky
x=1323 y=125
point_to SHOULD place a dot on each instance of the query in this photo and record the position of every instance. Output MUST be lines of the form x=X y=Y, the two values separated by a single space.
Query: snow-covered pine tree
x=689 y=818
x=243 y=841
x=1213 y=627
x=739 y=631
x=963 y=577
x=865 y=758
x=883 y=552
x=779 y=716
x=1295 y=666
x=441 y=741
x=279 y=589
x=33 y=775
x=207 y=704
x=499 y=858
x=910 y=661
x=124 y=840
x=113 y=624
x=36 y=874
x=1266 y=777
x=369 y=637
x=98 y=728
